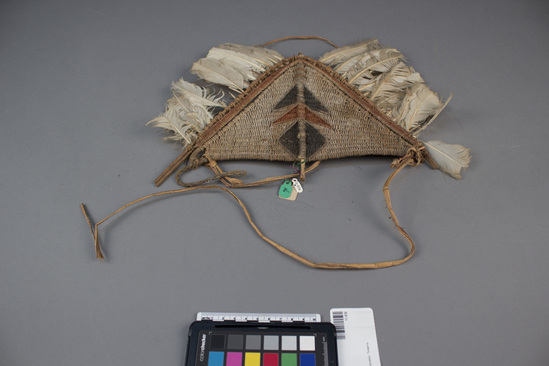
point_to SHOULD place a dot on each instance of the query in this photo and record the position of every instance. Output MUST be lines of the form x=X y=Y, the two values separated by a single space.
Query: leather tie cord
x=407 y=160
x=228 y=178
x=299 y=37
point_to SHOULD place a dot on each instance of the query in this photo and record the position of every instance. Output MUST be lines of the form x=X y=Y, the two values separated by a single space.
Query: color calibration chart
x=263 y=350
x=231 y=343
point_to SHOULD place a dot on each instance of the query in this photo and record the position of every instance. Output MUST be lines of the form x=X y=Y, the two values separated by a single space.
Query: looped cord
x=299 y=37
x=201 y=161
x=228 y=178
x=237 y=183
x=408 y=160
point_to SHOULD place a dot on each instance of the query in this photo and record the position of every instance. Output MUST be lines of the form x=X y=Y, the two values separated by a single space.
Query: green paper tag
x=286 y=189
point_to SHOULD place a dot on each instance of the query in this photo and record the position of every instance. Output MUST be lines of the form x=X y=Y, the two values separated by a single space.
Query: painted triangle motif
x=290 y=140
x=309 y=100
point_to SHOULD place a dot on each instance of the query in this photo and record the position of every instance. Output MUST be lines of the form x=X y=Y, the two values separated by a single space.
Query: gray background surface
x=78 y=82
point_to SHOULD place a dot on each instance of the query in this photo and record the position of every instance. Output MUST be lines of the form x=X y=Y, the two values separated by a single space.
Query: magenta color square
x=234 y=358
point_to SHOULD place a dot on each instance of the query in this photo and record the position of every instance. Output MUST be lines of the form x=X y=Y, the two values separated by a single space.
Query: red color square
x=270 y=359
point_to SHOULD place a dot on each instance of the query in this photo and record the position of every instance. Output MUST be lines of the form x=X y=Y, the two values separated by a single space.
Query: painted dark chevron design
x=300 y=111
x=302 y=140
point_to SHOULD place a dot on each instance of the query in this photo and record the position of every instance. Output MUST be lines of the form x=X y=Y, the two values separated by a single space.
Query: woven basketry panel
x=250 y=134
x=336 y=121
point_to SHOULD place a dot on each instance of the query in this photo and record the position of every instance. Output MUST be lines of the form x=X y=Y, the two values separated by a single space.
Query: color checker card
x=274 y=344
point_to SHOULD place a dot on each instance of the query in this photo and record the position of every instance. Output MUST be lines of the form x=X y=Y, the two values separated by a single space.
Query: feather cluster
x=187 y=112
x=235 y=66
x=191 y=106
x=381 y=75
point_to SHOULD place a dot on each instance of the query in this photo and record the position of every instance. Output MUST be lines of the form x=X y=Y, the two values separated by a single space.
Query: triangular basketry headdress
x=357 y=100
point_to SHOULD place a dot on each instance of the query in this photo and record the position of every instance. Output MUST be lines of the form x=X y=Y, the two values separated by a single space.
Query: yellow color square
x=252 y=359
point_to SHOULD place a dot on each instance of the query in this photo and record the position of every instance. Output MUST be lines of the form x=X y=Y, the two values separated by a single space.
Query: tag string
x=401 y=164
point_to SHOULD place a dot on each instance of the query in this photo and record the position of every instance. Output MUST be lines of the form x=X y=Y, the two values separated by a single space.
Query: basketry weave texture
x=302 y=110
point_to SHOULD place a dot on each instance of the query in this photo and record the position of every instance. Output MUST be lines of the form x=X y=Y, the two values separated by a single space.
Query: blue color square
x=307 y=359
x=215 y=358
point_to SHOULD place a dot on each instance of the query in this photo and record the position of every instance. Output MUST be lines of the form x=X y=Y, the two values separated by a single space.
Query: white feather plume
x=187 y=112
x=221 y=72
x=256 y=58
x=364 y=60
x=344 y=53
x=395 y=88
x=370 y=64
x=397 y=79
x=419 y=108
x=450 y=158
x=387 y=90
x=234 y=65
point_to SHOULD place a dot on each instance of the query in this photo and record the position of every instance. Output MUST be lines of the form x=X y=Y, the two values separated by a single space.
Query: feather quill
x=344 y=53
x=221 y=72
x=450 y=158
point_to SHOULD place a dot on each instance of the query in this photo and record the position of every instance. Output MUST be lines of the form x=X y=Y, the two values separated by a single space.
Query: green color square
x=288 y=359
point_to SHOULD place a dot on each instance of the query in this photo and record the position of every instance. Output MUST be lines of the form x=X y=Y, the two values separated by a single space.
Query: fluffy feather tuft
x=187 y=112
x=450 y=158
x=197 y=94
